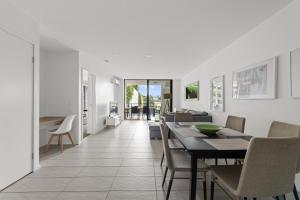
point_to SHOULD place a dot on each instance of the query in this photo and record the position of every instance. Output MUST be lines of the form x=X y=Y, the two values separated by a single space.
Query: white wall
x=277 y=36
x=16 y=22
x=59 y=88
x=105 y=90
x=176 y=93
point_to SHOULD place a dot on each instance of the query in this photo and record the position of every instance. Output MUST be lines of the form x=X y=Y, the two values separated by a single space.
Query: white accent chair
x=64 y=129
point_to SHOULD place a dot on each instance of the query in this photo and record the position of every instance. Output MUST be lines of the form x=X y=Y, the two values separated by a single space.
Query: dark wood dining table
x=198 y=148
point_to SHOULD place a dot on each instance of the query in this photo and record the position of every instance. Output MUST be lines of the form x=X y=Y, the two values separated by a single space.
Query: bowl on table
x=208 y=129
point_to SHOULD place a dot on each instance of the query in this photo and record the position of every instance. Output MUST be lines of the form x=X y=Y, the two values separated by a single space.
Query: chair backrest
x=166 y=148
x=183 y=117
x=269 y=168
x=145 y=109
x=236 y=123
x=134 y=109
x=281 y=129
x=66 y=125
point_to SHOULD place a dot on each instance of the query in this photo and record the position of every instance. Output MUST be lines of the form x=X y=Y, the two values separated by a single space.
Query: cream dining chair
x=64 y=129
x=178 y=161
x=269 y=170
x=233 y=124
x=174 y=144
x=281 y=129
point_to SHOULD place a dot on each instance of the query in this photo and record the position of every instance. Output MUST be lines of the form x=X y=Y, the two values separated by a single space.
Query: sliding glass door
x=147 y=99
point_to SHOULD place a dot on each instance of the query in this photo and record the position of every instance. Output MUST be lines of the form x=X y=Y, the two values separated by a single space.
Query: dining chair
x=174 y=144
x=234 y=123
x=281 y=129
x=178 y=161
x=183 y=117
x=268 y=171
x=135 y=110
x=145 y=111
x=64 y=129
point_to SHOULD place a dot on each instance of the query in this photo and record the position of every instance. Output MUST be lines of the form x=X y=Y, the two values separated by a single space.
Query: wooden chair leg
x=61 y=143
x=58 y=141
x=49 y=142
x=70 y=137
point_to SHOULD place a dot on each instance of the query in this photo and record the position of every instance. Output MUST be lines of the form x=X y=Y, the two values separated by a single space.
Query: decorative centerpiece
x=208 y=129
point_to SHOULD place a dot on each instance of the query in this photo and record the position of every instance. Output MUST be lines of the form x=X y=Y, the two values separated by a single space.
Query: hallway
x=116 y=164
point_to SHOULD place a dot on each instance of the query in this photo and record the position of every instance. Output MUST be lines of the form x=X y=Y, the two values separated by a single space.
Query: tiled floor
x=116 y=164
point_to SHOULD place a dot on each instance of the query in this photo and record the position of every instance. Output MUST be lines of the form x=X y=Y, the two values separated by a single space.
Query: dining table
x=200 y=146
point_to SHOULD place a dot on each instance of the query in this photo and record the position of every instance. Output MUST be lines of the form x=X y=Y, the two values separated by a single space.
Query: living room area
x=152 y=100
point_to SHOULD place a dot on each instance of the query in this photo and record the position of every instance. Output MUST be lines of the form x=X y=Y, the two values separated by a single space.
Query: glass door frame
x=148 y=102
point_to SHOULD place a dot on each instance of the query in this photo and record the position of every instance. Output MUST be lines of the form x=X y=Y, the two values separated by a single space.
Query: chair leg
x=204 y=190
x=212 y=189
x=245 y=198
x=170 y=185
x=226 y=161
x=295 y=192
x=61 y=143
x=70 y=137
x=204 y=186
x=49 y=142
x=162 y=159
x=58 y=140
x=216 y=161
x=165 y=175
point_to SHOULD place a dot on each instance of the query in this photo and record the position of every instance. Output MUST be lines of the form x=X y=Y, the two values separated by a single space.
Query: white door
x=16 y=108
x=92 y=104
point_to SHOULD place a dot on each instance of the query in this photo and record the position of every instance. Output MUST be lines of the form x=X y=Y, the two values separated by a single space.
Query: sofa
x=198 y=116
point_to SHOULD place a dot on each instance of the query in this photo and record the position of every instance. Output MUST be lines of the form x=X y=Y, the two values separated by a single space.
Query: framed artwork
x=256 y=81
x=295 y=73
x=217 y=94
x=192 y=91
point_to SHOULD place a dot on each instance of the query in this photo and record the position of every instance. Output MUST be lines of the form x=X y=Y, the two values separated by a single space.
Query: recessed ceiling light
x=148 y=56
x=106 y=60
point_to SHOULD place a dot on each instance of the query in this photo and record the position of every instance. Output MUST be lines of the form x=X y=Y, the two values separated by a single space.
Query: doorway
x=147 y=99
x=16 y=105
x=84 y=102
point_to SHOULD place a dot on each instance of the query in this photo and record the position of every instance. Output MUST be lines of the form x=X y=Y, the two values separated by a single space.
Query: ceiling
x=149 y=38
x=53 y=45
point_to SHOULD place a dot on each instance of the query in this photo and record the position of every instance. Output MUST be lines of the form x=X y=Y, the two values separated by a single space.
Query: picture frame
x=192 y=91
x=217 y=94
x=295 y=73
x=256 y=81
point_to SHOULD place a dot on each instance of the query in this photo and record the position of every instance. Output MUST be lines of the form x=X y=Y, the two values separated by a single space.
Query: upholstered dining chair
x=234 y=123
x=183 y=117
x=269 y=170
x=178 y=161
x=174 y=144
x=64 y=129
x=281 y=129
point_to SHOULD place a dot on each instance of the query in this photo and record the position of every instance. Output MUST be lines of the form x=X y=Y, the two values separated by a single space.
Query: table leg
x=193 y=180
